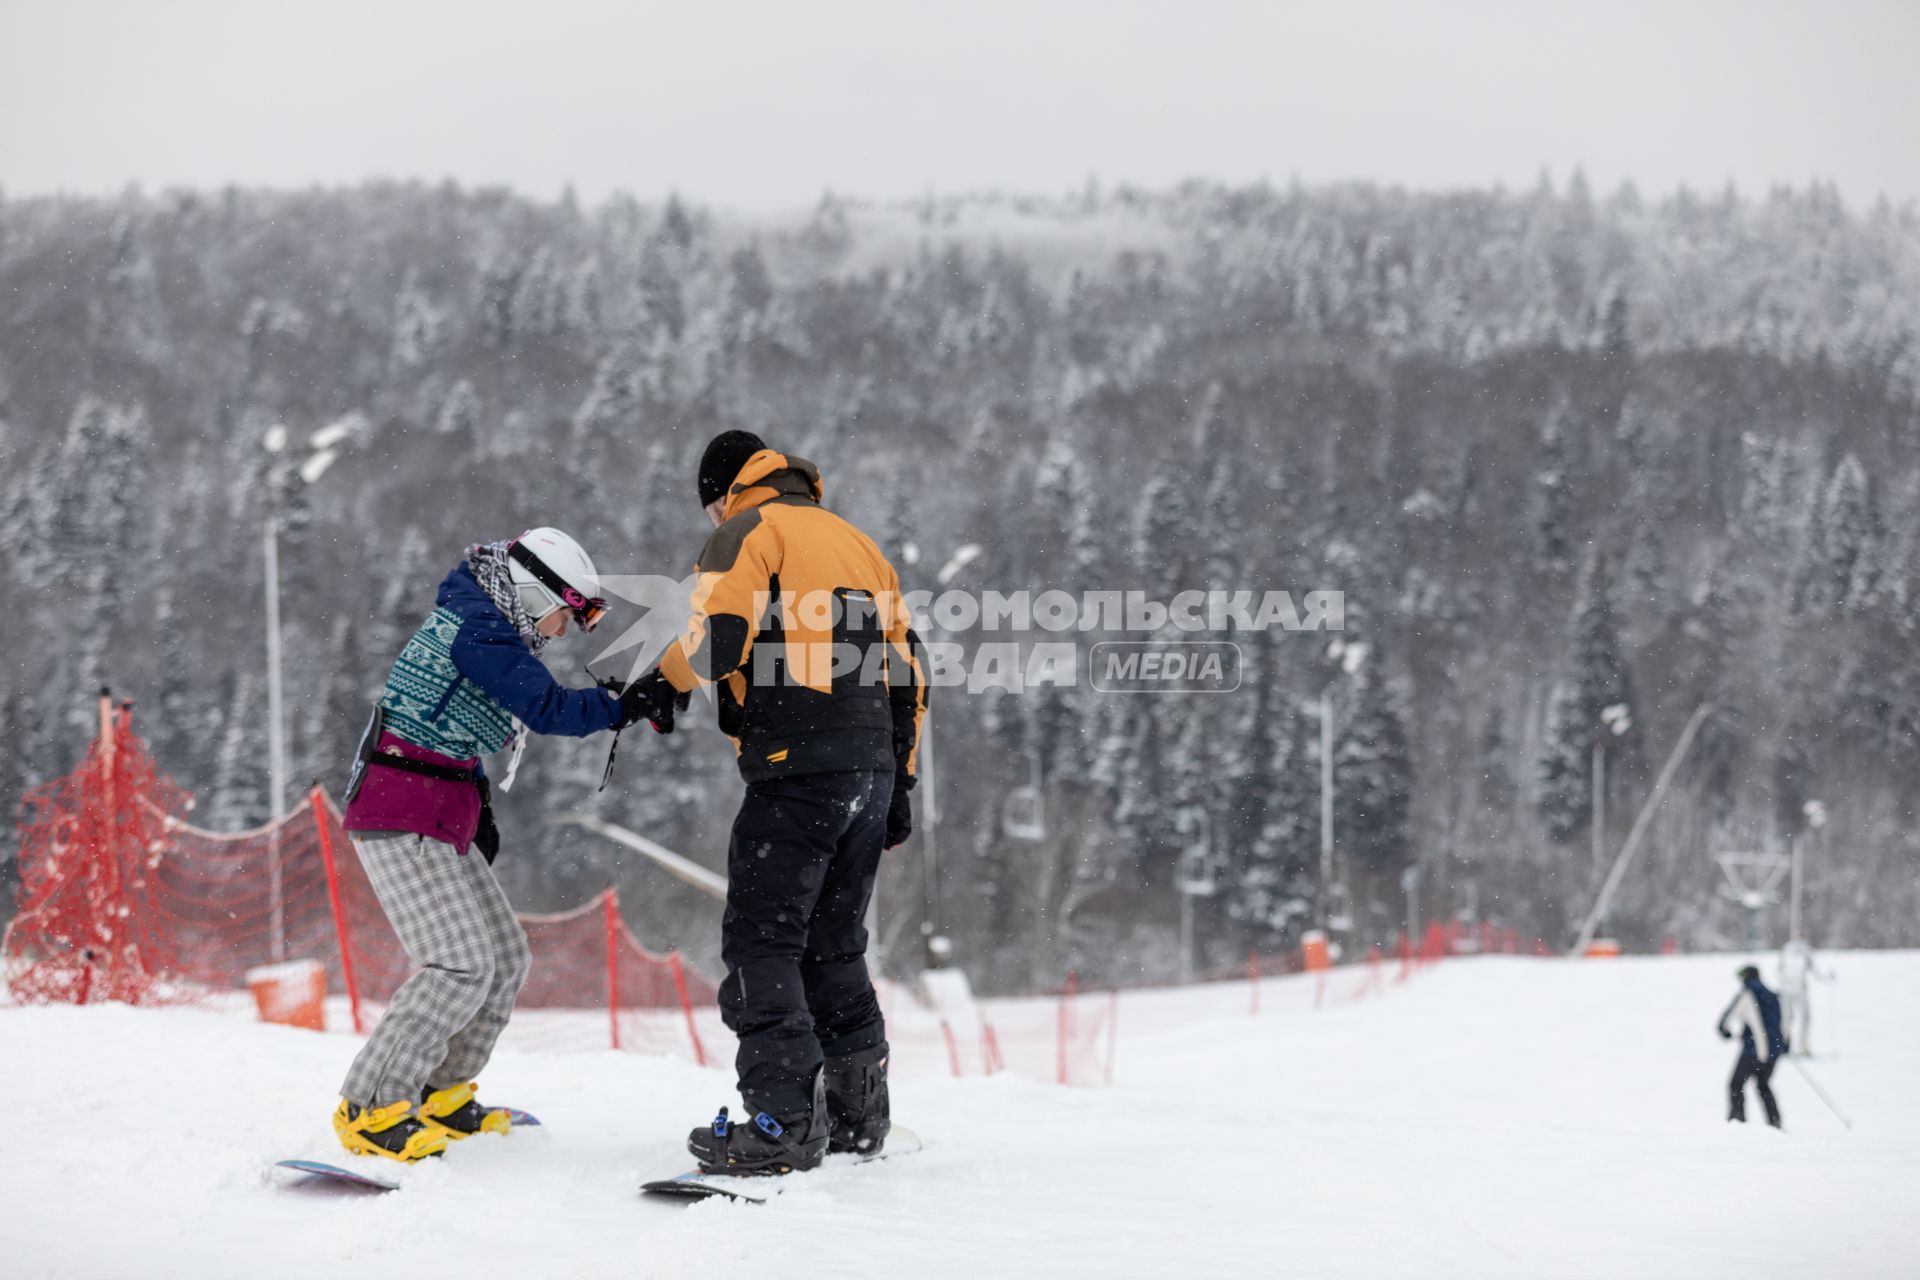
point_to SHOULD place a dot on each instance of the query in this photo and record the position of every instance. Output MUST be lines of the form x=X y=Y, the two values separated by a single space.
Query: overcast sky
x=759 y=106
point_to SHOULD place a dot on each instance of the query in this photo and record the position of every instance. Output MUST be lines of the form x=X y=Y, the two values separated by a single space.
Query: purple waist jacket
x=394 y=800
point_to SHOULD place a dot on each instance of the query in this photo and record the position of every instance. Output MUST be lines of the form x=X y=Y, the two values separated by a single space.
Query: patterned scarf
x=492 y=569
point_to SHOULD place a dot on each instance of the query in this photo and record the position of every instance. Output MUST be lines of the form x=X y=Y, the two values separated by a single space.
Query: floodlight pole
x=1326 y=811
x=1186 y=938
x=929 y=838
x=276 y=746
x=1793 y=889
x=1597 y=819
x=1410 y=881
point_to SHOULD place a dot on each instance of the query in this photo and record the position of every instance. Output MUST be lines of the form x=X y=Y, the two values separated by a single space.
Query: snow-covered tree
x=1841 y=571
x=1373 y=772
x=612 y=407
x=494 y=302
x=417 y=327
x=1272 y=828
x=1553 y=496
x=1166 y=541
x=1592 y=697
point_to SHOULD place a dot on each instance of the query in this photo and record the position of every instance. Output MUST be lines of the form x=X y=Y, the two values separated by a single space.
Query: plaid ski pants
x=470 y=960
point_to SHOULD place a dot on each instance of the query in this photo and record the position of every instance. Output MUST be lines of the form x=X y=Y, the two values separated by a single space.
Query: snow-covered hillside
x=1489 y=1118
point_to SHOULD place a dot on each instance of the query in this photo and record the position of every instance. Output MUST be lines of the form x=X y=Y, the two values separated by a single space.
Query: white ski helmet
x=551 y=571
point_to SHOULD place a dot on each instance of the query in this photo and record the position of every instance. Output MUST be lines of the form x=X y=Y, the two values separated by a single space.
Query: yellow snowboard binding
x=392 y=1131
x=453 y=1112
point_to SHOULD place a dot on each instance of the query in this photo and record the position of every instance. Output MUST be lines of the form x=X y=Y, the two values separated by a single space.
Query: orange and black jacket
x=798 y=619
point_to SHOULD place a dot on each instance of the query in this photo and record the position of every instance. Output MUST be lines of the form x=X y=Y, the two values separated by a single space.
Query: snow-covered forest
x=1563 y=451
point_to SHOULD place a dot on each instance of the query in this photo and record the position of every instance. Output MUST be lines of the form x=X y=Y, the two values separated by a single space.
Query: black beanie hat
x=722 y=461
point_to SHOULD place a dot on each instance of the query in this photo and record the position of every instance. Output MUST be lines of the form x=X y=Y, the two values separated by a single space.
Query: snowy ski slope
x=1498 y=1117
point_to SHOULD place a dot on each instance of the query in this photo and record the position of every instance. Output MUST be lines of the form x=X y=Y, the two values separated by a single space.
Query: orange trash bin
x=1313 y=951
x=293 y=994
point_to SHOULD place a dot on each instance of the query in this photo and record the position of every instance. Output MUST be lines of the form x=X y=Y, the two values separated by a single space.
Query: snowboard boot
x=454 y=1112
x=858 y=1115
x=392 y=1131
x=768 y=1144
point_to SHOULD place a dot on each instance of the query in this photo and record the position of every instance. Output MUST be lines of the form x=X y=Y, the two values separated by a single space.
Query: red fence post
x=953 y=1048
x=1253 y=978
x=686 y=1006
x=1113 y=1030
x=610 y=904
x=318 y=799
x=100 y=854
x=1064 y=1022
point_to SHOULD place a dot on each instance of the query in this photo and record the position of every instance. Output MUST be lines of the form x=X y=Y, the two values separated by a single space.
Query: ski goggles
x=587 y=610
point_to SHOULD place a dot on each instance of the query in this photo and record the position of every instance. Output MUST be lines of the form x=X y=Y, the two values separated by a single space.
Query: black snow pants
x=1761 y=1073
x=800 y=871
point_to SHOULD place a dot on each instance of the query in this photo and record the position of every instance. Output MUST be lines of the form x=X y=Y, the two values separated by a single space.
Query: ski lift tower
x=1753 y=881
x=1198 y=876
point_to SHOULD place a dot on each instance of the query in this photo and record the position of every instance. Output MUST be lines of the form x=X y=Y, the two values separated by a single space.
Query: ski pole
x=1818 y=1091
x=616 y=688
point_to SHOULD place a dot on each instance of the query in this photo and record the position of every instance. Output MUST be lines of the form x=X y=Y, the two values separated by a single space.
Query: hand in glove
x=899 y=818
x=653 y=699
x=486 y=837
x=1725 y=1034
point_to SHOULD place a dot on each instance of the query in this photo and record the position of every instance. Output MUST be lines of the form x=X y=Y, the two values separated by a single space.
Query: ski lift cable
x=681 y=868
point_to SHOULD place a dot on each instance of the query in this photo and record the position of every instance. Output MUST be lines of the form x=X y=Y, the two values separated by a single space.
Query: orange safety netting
x=1087 y=1027
x=122 y=899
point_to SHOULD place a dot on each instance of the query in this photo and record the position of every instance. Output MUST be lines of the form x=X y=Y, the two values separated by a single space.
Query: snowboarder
x=1796 y=966
x=467 y=684
x=799 y=627
x=1762 y=1044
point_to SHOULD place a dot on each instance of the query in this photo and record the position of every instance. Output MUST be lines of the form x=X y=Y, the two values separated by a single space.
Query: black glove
x=486 y=837
x=899 y=818
x=653 y=699
x=1725 y=1034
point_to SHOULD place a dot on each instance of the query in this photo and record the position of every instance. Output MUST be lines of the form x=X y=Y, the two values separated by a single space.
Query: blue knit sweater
x=466 y=672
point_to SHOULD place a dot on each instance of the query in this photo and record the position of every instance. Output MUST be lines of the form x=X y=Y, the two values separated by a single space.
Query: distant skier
x=1762 y=1044
x=798 y=620
x=1796 y=966
x=466 y=685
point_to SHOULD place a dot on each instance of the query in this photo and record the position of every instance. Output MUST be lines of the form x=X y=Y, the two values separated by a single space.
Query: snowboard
x=760 y=1188
x=334 y=1173
x=368 y=1182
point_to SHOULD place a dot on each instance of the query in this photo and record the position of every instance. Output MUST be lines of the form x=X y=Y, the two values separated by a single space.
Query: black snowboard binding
x=858 y=1113
x=767 y=1144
